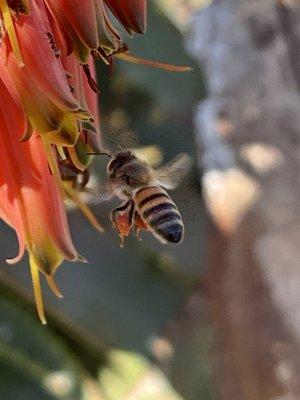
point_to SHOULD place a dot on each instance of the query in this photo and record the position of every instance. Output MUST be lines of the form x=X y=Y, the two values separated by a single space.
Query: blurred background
x=218 y=316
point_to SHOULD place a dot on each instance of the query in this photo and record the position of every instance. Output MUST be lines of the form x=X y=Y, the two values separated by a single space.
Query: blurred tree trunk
x=248 y=131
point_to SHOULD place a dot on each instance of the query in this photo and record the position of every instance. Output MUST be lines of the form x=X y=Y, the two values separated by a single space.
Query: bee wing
x=95 y=192
x=171 y=175
x=151 y=155
x=103 y=192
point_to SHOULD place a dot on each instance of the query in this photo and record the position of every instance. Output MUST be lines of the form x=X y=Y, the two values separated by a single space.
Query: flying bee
x=147 y=205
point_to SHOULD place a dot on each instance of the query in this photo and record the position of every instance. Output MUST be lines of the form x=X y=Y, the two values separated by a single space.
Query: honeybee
x=147 y=205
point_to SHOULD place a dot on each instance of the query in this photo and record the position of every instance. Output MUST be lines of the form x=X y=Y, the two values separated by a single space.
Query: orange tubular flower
x=49 y=117
x=85 y=26
x=41 y=83
x=30 y=198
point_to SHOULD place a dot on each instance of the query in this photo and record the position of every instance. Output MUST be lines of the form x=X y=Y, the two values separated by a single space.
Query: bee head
x=125 y=169
x=118 y=160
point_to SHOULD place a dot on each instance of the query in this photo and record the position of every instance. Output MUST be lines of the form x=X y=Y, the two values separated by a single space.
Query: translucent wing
x=100 y=193
x=151 y=155
x=94 y=193
x=170 y=175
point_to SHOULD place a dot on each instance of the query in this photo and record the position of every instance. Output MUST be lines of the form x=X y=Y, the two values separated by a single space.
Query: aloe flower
x=85 y=27
x=49 y=120
x=31 y=201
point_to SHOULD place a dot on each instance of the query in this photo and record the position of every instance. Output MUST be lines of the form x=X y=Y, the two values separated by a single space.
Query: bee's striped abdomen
x=160 y=213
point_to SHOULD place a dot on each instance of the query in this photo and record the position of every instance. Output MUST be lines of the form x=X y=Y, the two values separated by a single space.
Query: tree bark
x=250 y=124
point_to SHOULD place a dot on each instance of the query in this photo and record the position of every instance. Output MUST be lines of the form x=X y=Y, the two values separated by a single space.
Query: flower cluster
x=49 y=115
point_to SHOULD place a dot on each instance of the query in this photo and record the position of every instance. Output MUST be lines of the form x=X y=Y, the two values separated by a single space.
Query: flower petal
x=30 y=199
x=131 y=13
x=77 y=21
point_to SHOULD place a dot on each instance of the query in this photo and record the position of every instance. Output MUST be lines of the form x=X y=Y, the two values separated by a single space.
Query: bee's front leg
x=122 y=219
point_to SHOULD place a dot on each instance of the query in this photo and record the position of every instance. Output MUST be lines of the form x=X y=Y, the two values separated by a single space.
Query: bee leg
x=114 y=212
x=138 y=225
x=137 y=233
x=121 y=244
x=121 y=217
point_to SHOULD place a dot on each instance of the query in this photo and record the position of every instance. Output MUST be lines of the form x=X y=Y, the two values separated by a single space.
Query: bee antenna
x=99 y=154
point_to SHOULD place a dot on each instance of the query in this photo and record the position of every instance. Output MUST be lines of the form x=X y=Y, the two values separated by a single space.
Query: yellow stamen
x=61 y=152
x=53 y=286
x=53 y=165
x=83 y=207
x=9 y=25
x=37 y=289
x=155 y=64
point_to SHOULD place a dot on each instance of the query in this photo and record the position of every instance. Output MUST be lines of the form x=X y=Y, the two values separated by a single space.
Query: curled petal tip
x=15 y=260
x=53 y=286
x=82 y=259
x=12 y=261
x=27 y=133
x=26 y=136
x=88 y=126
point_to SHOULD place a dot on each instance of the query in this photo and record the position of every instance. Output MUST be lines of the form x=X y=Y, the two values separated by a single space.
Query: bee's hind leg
x=138 y=225
x=122 y=219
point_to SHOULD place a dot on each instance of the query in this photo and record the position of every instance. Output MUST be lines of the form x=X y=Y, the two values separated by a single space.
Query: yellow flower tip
x=37 y=289
x=53 y=286
x=83 y=115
